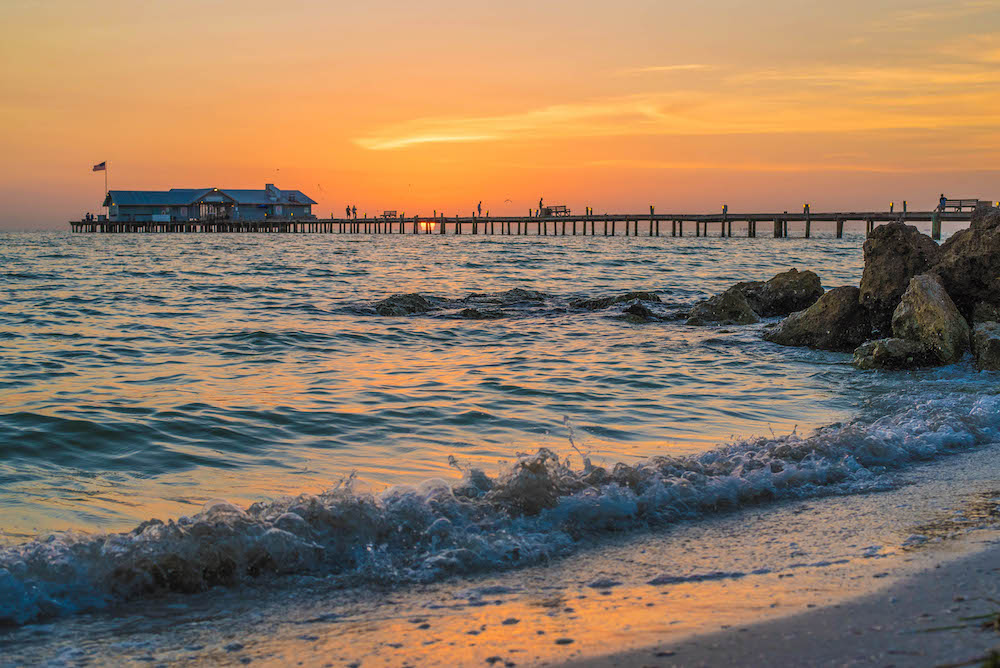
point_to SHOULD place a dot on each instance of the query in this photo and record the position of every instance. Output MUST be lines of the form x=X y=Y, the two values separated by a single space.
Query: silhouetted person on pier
x=347 y=211
x=539 y=204
x=942 y=202
x=479 y=208
x=354 y=210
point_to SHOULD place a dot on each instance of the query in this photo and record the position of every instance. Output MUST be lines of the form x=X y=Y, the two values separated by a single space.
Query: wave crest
x=538 y=508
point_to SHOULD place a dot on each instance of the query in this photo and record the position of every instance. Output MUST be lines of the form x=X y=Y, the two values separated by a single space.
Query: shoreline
x=618 y=603
x=933 y=616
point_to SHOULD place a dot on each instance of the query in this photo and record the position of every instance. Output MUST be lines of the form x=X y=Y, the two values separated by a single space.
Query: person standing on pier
x=354 y=210
x=942 y=202
x=347 y=211
x=479 y=208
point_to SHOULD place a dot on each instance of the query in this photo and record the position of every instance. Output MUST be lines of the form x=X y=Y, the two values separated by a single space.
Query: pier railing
x=609 y=224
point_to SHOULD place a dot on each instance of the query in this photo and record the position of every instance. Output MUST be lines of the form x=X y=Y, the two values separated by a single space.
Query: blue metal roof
x=263 y=197
x=176 y=197
x=191 y=196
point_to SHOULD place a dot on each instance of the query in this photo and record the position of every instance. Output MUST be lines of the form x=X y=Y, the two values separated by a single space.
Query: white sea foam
x=538 y=508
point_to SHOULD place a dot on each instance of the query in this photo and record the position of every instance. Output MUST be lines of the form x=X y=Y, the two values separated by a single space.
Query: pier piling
x=520 y=225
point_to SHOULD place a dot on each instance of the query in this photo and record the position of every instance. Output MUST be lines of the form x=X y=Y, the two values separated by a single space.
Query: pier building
x=207 y=204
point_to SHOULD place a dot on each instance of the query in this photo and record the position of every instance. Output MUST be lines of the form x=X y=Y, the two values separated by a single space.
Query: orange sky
x=439 y=104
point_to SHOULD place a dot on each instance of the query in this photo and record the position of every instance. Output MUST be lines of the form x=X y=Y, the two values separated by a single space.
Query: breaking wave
x=541 y=507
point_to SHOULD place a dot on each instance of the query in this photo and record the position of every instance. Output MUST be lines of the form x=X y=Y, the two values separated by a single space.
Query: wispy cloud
x=860 y=164
x=625 y=115
x=981 y=49
x=386 y=144
x=868 y=78
x=817 y=100
x=653 y=69
x=931 y=15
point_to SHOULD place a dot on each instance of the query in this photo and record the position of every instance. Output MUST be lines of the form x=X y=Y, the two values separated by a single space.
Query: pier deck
x=638 y=224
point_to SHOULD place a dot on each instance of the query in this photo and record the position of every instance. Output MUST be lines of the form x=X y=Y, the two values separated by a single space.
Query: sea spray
x=538 y=508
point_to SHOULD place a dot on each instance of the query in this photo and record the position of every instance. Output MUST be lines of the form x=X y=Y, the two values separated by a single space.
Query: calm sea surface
x=144 y=375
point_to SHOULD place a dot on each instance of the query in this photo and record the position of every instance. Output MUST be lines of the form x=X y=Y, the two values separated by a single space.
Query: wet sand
x=934 y=617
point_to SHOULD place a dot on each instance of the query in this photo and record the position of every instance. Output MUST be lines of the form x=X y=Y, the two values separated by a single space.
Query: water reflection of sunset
x=241 y=368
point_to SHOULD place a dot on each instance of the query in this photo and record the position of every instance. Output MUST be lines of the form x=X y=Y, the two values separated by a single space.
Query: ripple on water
x=196 y=365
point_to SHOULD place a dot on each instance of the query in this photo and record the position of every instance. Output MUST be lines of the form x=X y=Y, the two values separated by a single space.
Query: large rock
x=983 y=312
x=599 y=303
x=837 y=321
x=893 y=354
x=894 y=253
x=986 y=346
x=729 y=308
x=407 y=304
x=985 y=218
x=786 y=293
x=927 y=314
x=970 y=267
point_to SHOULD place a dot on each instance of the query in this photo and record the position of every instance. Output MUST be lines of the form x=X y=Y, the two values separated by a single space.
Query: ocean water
x=181 y=412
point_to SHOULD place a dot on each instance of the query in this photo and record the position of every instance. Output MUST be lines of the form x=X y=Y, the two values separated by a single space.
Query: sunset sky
x=437 y=104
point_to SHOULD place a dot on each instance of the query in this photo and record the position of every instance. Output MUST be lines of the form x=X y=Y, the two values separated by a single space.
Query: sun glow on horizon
x=626 y=105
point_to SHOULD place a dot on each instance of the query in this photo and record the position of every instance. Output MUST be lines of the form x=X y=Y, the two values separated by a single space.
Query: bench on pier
x=555 y=210
x=389 y=214
x=962 y=204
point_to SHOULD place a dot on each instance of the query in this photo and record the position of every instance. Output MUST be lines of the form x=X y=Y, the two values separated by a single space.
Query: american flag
x=101 y=166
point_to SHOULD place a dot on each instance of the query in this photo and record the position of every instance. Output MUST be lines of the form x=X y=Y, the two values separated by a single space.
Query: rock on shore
x=986 y=346
x=893 y=354
x=745 y=303
x=894 y=253
x=983 y=312
x=837 y=321
x=985 y=218
x=414 y=303
x=923 y=294
x=786 y=293
x=406 y=304
x=927 y=315
x=598 y=303
x=638 y=313
x=729 y=308
x=970 y=265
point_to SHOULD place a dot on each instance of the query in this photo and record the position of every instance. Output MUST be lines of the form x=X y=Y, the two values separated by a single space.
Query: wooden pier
x=608 y=225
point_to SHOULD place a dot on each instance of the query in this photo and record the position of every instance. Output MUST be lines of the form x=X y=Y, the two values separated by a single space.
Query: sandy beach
x=943 y=616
